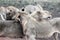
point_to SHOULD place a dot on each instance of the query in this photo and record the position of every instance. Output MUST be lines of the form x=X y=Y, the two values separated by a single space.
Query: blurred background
x=51 y=5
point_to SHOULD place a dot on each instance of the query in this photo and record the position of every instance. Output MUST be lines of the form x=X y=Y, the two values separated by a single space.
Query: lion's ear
x=22 y=9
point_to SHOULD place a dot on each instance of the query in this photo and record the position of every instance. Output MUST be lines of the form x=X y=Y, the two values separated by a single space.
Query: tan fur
x=29 y=22
x=12 y=8
x=16 y=16
x=13 y=12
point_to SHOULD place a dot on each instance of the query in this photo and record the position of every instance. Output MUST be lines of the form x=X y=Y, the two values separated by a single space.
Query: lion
x=37 y=26
x=13 y=10
x=29 y=20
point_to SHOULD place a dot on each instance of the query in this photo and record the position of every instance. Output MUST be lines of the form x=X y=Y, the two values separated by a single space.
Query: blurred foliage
x=19 y=3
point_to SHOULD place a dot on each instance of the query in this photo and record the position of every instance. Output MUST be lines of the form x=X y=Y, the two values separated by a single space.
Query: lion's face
x=39 y=15
x=12 y=11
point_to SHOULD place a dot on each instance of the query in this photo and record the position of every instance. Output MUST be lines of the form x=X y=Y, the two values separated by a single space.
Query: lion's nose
x=49 y=17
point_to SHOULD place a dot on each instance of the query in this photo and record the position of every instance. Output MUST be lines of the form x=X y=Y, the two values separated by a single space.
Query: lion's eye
x=38 y=12
x=10 y=10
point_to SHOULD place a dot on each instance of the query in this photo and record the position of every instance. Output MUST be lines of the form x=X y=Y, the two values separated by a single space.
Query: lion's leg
x=31 y=34
x=2 y=17
x=56 y=36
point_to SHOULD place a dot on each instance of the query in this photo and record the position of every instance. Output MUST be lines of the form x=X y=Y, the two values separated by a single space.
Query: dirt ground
x=6 y=38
